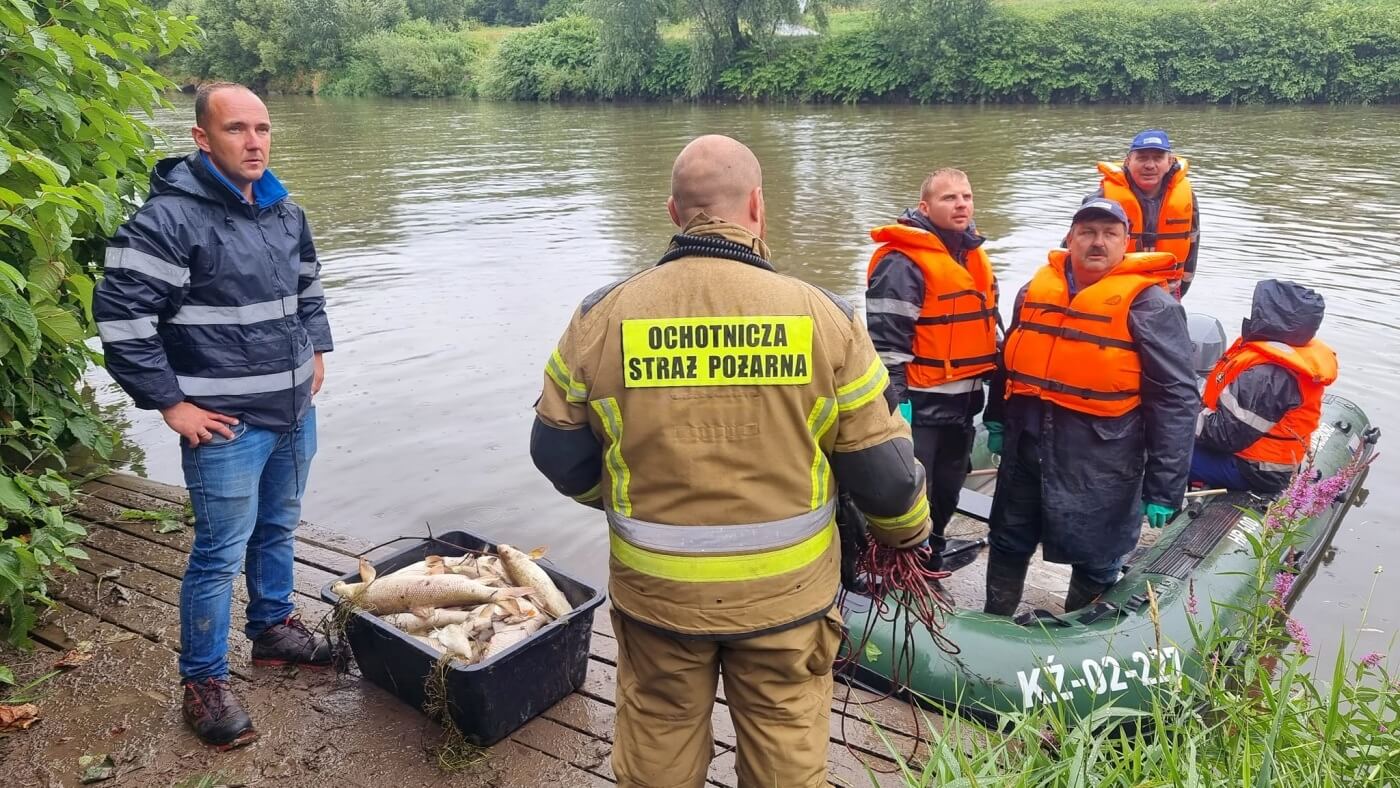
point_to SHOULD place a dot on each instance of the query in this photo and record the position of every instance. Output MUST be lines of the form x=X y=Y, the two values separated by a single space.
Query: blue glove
x=1157 y=514
x=907 y=411
x=994 y=429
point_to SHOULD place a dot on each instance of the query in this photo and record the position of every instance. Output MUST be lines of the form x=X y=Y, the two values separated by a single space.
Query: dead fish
x=506 y=637
x=402 y=593
x=422 y=620
x=524 y=571
x=456 y=643
x=520 y=608
x=421 y=567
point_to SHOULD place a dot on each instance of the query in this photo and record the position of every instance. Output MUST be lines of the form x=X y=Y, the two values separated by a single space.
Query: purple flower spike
x=1373 y=659
x=1300 y=636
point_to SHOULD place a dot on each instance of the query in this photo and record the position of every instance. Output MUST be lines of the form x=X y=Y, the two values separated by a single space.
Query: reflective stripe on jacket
x=955 y=332
x=712 y=406
x=209 y=299
x=1284 y=442
x=1175 y=230
x=1079 y=352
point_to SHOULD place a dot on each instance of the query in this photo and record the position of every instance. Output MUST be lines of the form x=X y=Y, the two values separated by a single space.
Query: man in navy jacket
x=211 y=311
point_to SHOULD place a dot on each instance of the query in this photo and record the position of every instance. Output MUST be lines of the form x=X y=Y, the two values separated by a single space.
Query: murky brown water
x=457 y=237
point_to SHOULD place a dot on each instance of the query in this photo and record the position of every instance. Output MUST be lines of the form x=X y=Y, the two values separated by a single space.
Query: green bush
x=553 y=60
x=74 y=157
x=414 y=59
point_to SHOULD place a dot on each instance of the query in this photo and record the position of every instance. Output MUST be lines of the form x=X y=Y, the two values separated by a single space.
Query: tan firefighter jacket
x=707 y=403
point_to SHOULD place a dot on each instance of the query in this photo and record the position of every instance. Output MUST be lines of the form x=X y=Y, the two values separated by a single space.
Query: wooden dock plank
x=570 y=744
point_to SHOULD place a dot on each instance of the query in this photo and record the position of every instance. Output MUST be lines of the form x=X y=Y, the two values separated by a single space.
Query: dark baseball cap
x=1152 y=139
x=1099 y=208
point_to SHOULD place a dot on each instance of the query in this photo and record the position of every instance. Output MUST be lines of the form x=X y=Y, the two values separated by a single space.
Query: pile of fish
x=470 y=608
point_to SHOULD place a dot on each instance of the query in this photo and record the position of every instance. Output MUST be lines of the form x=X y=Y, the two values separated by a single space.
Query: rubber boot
x=1082 y=591
x=1006 y=579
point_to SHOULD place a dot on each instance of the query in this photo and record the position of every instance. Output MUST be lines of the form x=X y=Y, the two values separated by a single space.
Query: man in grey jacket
x=211 y=311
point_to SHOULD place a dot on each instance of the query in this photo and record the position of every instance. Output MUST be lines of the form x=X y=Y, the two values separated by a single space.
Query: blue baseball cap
x=1098 y=208
x=1152 y=139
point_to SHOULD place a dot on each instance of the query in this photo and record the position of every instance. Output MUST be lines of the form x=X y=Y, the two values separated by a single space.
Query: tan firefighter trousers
x=779 y=691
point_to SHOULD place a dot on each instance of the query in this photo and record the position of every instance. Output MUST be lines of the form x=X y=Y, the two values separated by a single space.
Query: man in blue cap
x=1156 y=195
x=1098 y=400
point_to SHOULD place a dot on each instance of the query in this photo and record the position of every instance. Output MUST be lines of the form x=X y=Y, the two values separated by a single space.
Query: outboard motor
x=1208 y=342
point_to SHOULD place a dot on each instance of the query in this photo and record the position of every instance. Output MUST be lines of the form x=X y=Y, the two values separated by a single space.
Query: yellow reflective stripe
x=864 y=388
x=910 y=519
x=590 y=496
x=618 y=472
x=722 y=569
x=558 y=371
x=576 y=392
x=821 y=418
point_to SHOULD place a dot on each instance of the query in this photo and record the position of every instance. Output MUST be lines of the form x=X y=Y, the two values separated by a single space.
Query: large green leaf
x=12 y=498
x=17 y=313
x=81 y=286
x=58 y=324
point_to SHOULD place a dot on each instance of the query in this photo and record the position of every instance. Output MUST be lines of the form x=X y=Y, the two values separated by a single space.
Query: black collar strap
x=711 y=246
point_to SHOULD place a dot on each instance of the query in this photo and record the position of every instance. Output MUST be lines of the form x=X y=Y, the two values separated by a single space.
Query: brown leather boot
x=216 y=716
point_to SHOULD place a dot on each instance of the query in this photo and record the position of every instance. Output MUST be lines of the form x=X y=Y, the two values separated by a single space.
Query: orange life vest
x=1313 y=365
x=1175 y=230
x=1078 y=352
x=955 y=337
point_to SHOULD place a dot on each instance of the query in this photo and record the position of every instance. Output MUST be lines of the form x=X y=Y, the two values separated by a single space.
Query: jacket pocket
x=1129 y=425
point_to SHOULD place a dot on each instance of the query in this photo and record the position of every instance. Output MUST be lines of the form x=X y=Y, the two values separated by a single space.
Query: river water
x=457 y=237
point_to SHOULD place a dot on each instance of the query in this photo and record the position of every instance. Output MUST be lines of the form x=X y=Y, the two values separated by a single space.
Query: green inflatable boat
x=1107 y=653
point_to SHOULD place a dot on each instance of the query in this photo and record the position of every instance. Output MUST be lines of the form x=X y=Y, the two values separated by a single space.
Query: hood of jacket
x=1284 y=312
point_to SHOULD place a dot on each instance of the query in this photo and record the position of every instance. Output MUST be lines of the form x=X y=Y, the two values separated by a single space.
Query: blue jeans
x=1216 y=469
x=246 y=494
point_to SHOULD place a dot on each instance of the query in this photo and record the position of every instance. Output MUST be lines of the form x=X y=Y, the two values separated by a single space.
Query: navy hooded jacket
x=208 y=299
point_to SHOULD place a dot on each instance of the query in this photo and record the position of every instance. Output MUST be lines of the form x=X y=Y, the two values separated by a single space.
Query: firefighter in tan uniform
x=710 y=407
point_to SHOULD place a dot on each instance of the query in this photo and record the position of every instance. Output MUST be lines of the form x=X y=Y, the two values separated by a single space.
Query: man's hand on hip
x=197 y=425
x=318 y=373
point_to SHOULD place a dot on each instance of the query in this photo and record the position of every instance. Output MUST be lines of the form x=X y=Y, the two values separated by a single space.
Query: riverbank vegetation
x=1012 y=51
x=74 y=157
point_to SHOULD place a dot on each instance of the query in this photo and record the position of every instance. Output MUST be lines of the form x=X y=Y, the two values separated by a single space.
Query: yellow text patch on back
x=717 y=351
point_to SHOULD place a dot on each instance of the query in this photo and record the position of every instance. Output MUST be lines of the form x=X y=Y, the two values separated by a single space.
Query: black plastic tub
x=491 y=699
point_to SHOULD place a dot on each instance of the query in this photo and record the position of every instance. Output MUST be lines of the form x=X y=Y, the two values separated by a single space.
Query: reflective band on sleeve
x=247 y=314
x=963 y=386
x=910 y=519
x=1233 y=406
x=558 y=371
x=697 y=540
x=864 y=388
x=150 y=265
x=309 y=268
x=314 y=291
x=723 y=569
x=620 y=476
x=590 y=496
x=891 y=306
x=122 y=330
x=1276 y=467
x=773 y=350
x=819 y=421
x=893 y=359
x=248 y=384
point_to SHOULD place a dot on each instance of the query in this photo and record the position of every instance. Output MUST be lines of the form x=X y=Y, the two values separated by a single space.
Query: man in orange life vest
x=931 y=310
x=1154 y=191
x=1263 y=399
x=1099 y=408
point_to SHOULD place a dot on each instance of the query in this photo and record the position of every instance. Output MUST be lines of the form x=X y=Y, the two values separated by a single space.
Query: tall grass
x=1265 y=713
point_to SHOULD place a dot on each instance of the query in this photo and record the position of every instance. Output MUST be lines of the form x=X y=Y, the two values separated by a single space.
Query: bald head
x=720 y=176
